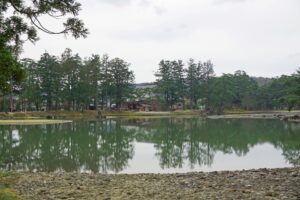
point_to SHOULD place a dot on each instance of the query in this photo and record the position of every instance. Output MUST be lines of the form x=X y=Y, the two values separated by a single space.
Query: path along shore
x=247 y=184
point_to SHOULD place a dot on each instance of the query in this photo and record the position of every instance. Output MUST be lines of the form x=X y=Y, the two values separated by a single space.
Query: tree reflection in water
x=80 y=146
x=108 y=146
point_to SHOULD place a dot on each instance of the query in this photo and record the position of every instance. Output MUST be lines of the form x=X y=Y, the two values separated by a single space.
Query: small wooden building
x=139 y=106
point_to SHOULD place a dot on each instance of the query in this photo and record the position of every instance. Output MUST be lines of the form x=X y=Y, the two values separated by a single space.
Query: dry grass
x=90 y=114
x=32 y=121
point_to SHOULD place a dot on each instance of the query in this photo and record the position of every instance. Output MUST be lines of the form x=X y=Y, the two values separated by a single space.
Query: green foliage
x=232 y=91
x=31 y=86
x=15 y=30
x=222 y=93
x=50 y=77
x=69 y=83
x=170 y=82
x=121 y=80
x=11 y=72
x=14 y=24
x=70 y=66
x=197 y=80
x=165 y=83
x=280 y=93
x=193 y=82
x=292 y=91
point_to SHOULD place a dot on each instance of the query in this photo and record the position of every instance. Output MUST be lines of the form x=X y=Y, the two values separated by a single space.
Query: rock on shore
x=251 y=184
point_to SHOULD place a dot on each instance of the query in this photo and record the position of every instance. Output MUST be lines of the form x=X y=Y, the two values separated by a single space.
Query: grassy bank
x=32 y=121
x=89 y=114
x=8 y=180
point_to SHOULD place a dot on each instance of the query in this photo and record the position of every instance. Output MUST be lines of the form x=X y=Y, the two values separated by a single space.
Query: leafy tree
x=236 y=90
x=10 y=70
x=94 y=66
x=197 y=80
x=15 y=30
x=273 y=94
x=221 y=94
x=70 y=66
x=292 y=89
x=164 y=82
x=122 y=80
x=193 y=82
x=178 y=77
x=171 y=82
x=31 y=86
x=244 y=88
x=14 y=24
x=50 y=77
x=106 y=79
x=206 y=70
x=205 y=73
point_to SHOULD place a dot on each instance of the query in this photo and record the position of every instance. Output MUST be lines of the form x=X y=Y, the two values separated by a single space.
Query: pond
x=150 y=145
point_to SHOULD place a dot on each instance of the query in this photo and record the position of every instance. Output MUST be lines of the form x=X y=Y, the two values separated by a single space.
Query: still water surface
x=151 y=145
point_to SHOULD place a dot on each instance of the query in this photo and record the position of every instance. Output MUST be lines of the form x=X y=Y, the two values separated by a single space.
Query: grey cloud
x=116 y=2
x=228 y=1
x=294 y=56
x=143 y=3
x=160 y=33
x=262 y=36
x=159 y=10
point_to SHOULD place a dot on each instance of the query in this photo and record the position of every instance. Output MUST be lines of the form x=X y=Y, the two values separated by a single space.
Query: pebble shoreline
x=285 y=116
x=283 y=183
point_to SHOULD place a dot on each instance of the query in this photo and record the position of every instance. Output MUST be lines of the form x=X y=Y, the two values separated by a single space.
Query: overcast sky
x=261 y=37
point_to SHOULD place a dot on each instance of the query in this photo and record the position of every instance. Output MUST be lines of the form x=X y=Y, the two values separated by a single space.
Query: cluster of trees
x=175 y=83
x=72 y=83
x=280 y=93
x=239 y=90
x=15 y=30
x=19 y=22
x=197 y=86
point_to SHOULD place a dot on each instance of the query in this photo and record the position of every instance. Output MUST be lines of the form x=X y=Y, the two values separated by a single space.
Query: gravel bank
x=286 y=116
x=251 y=184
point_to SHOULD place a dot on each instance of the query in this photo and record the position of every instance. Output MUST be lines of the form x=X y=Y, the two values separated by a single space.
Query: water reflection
x=108 y=146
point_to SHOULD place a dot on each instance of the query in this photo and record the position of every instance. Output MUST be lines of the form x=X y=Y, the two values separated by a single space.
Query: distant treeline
x=197 y=84
x=71 y=83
